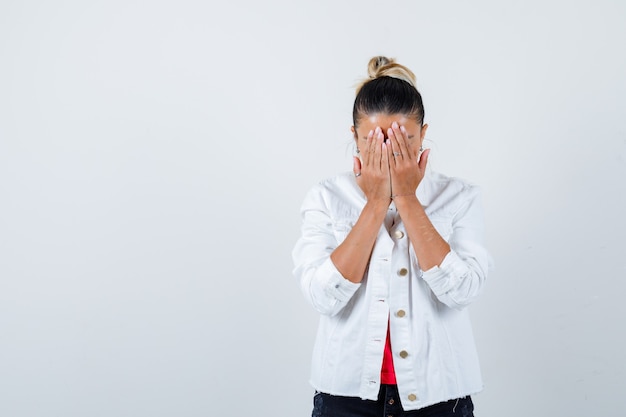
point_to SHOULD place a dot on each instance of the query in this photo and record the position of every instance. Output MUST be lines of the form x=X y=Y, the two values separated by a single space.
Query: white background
x=154 y=155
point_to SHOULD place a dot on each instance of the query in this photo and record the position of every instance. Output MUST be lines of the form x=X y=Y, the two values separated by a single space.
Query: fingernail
x=371 y=132
x=394 y=125
x=402 y=129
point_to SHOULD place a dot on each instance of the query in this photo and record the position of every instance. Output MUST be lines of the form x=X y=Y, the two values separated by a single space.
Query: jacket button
x=400 y=313
x=403 y=355
x=398 y=234
x=412 y=397
x=403 y=271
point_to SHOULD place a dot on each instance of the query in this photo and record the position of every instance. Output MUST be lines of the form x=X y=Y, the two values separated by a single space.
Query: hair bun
x=376 y=63
x=381 y=66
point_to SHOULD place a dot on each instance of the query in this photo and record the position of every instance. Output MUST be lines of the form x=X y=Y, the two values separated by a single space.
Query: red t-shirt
x=387 y=373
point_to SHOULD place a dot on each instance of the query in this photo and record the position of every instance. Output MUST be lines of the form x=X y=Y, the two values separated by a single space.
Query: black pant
x=387 y=405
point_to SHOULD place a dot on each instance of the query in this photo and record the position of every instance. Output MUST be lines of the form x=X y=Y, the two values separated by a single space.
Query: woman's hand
x=407 y=167
x=352 y=256
x=372 y=170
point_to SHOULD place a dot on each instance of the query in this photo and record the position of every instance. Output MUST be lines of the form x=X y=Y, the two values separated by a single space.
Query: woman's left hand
x=406 y=165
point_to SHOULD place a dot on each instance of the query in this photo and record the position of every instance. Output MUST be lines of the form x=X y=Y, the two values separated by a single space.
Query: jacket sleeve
x=461 y=276
x=321 y=283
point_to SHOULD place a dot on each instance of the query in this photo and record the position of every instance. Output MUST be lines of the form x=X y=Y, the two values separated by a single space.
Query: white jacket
x=433 y=347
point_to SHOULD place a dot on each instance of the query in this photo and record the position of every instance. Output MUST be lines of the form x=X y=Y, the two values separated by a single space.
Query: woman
x=391 y=255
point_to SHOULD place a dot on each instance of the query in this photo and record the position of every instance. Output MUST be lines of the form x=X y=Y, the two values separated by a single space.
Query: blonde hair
x=390 y=88
x=381 y=66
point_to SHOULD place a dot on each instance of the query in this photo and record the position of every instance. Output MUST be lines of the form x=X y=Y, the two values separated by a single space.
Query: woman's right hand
x=372 y=173
x=372 y=170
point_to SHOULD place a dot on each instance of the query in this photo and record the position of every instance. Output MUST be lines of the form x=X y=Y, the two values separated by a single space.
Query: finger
x=385 y=158
x=395 y=148
x=423 y=160
x=365 y=148
x=356 y=167
x=378 y=149
x=403 y=139
x=371 y=147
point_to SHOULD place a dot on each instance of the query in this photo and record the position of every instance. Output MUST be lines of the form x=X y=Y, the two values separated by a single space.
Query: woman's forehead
x=385 y=120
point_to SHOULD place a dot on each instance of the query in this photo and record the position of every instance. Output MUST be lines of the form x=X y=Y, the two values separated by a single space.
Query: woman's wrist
x=378 y=204
x=394 y=196
x=405 y=200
